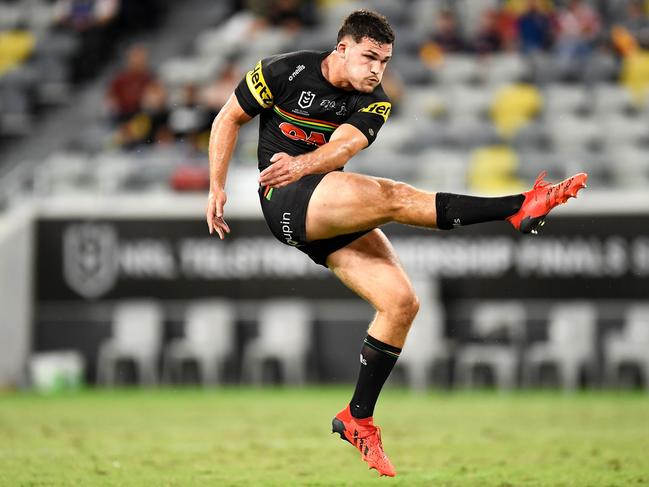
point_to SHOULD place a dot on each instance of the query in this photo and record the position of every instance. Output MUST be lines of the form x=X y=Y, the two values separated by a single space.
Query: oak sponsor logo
x=297 y=71
x=382 y=108
x=258 y=87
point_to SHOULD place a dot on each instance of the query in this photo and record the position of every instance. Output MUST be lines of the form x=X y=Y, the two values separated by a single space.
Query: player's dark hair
x=365 y=23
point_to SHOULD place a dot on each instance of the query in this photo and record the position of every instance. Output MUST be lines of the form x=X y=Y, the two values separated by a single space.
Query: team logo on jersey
x=382 y=108
x=258 y=87
x=306 y=98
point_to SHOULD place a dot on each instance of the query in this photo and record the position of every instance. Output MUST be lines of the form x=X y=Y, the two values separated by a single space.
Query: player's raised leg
x=370 y=268
x=348 y=202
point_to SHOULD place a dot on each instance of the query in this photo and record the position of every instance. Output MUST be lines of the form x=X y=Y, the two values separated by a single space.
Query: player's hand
x=214 y=213
x=284 y=170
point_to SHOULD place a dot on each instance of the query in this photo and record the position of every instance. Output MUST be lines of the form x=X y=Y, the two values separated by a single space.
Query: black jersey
x=300 y=109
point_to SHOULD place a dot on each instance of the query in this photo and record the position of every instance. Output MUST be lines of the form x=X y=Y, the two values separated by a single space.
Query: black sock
x=454 y=210
x=377 y=360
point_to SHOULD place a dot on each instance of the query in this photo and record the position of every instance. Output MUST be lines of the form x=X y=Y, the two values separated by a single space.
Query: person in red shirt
x=124 y=96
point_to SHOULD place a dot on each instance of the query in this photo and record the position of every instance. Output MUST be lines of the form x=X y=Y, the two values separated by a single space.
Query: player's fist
x=284 y=170
x=214 y=213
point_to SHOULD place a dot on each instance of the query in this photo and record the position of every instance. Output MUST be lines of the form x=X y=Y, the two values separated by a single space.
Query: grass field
x=281 y=437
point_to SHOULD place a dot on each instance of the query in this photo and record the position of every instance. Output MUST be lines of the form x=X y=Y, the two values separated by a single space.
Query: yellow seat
x=635 y=75
x=514 y=106
x=492 y=170
x=15 y=47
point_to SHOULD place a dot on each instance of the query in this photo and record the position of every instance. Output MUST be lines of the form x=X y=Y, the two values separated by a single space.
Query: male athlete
x=318 y=109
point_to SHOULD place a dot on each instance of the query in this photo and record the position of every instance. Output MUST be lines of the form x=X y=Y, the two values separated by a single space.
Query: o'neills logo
x=382 y=108
x=297 y=71
x=258 y=87
x=286 y=229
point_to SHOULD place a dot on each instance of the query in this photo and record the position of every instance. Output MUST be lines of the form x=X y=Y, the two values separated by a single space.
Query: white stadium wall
x=16 y=294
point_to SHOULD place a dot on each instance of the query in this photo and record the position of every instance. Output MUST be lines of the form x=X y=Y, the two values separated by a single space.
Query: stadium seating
x=136 y=335
x=630 y=346
x=208 y=341
x=444 y=107
x=500 y=329
x=285 y=333
x=426 y=345
x=570 y=346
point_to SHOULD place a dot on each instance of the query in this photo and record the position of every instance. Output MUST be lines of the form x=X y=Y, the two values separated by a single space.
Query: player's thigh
x=370 y=267
x=345 y=203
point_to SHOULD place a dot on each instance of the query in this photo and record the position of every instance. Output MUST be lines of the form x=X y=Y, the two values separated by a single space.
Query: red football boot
x=366 y=438
x=542 y=198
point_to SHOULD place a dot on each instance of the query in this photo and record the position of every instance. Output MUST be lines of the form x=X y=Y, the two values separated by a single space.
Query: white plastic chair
x=137 y=335
x=208 y=341
x=426 y=343
x=571 y=133
x=562 y=98
x=285 y=328
x=630 y=346
x=491 y=319
x=570 y=345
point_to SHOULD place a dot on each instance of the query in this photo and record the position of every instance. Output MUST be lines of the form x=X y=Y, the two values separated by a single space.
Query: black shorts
x=285 y=213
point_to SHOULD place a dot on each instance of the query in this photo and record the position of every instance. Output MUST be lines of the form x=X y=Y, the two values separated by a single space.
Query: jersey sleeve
x=256 y=91
x=372 y=112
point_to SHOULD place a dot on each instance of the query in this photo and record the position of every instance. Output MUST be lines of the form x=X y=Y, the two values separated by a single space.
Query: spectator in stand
x=507 y=27
x=291 y=15
x=190 y=122
x=488 y=38
x=447 y=33
x=154 y=106
x=535 y=29
x=145 y=126
x=636 y=22
x=446 y=38
x=579 y=27
x=93 y=21
x=124 y=96
x=215 y=94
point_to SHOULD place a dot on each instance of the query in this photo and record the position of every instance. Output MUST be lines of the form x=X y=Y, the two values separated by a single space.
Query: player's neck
x=333 y=71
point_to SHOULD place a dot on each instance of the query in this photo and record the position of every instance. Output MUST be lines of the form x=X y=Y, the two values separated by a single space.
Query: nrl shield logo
x=90 y=260
x=306 y=98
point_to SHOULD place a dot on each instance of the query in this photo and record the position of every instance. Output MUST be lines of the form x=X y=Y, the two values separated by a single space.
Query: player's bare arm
x=345 y=142
x=223 y=138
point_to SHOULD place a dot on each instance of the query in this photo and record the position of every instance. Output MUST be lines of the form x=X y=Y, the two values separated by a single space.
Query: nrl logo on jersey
x=297 y=71
x=306 y=99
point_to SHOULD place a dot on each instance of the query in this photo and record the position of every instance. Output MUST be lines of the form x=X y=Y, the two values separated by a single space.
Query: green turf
x=282 y=437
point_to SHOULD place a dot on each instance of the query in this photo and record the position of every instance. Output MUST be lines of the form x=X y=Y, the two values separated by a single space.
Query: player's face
x=365 y=62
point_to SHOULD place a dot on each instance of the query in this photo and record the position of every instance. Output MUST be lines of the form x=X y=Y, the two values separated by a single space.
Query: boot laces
x=540 y=181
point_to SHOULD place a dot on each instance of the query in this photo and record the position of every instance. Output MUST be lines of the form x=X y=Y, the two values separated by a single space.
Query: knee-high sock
x=454 y=210
x=377 y=360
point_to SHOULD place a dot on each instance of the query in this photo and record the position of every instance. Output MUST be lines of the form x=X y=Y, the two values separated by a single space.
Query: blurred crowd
x=49 y=46
x=144 y=111
x=540 y=77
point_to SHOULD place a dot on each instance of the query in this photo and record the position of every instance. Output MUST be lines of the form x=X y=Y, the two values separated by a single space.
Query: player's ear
x=342 y=47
